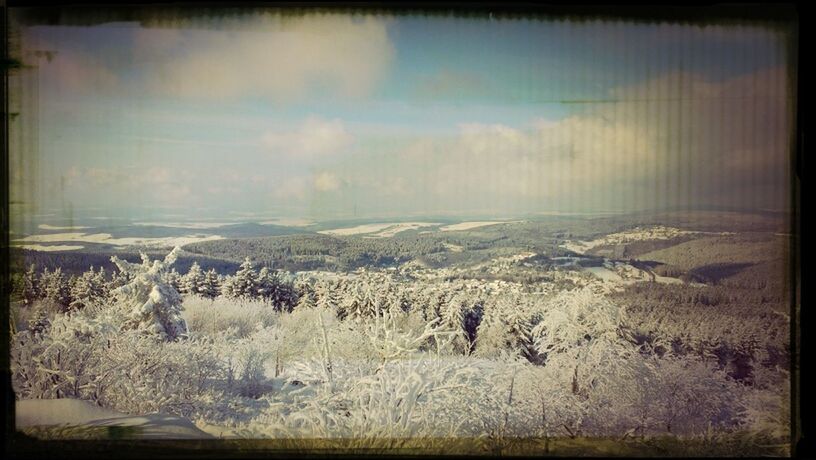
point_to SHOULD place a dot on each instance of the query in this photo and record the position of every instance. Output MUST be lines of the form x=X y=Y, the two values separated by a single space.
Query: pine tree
x=173 y=278
x=328 y=296
x=29 y=286
x=519 y=330
x=154 y=305
x=307 y=297
x=265 y=283
x=193 y=282
x=55 y=287
x=211 y=286
x=274 y=289
x=117 y=280
x=101 y=283
x=85 y=290
x=244 y=284
x=453 y=317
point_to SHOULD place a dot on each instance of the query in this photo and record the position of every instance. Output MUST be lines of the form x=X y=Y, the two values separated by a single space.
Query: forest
x=523 y=353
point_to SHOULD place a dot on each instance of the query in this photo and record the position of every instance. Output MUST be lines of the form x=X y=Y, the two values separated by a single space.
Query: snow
x=54 y=227
x=471 y=225
x=453 y=247
x=40 y=412
x=58 y=247
x=605 y=274
x=31 y=412
x=637 y=234
x=391 y=231
x=107 y=238
x=192 y=225
x=381 y=230
x=289 y=222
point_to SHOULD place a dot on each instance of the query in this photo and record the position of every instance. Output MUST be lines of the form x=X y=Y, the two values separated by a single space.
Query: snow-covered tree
x=244 y=284
x=55 y=287
x=86 y=289
x=453 y=317
x=173 y=278
x=328 y=296
x=193 y=282
x=211 y=285
x=117 y=280
x=273 y=288
x=101 y=281
x=152 y=305
x=29 y=285
x=307 y=297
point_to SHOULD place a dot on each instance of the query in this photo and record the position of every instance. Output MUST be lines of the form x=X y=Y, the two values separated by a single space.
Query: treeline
x=77 y=262
x=67 y=292
x=310 y=252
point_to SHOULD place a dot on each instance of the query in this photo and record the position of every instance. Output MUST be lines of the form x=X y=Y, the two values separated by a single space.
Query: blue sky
x=372 y=116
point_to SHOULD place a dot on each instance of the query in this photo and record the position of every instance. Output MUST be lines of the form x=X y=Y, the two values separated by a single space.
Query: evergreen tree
x=227 y=287
x=86 y=290
x=211 y=285
x=154 y=305
x=173 y=278
x=55 y=287
x=519 y=330
x=244 y=284
x=193 y=282
x=29 y=286
x=273 y=288
x=101 y=283
x=328 y=296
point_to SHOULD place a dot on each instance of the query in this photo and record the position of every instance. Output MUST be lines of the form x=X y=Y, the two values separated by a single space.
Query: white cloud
x=279 y=59
x=291 y=188
x=674 y=140
x=313 y=137
x=326 y=182
x=273 y=57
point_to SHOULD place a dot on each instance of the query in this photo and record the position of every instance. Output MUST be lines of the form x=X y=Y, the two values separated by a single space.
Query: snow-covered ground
x=381 y=230
x=471 y=225
x=107 y=238
x=391 y=231
x=288 y=222
x=54 y=227
x=56 y=247
x=75 y=412
x=193 y=225
x=637 y=234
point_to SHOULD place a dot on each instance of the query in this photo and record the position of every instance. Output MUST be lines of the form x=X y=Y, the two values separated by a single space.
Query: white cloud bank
x=314 y=137
x=282 y=59
x=671 y=141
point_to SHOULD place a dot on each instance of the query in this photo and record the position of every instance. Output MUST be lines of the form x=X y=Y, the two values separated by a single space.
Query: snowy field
x=380 y=230
x=471 y=225
x=192 y=225
x=44 y=248
x=107 y=238
x=53 y=227
x=637 y=234
x=76 y=413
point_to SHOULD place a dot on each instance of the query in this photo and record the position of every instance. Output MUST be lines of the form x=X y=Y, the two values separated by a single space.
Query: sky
x=368 y=116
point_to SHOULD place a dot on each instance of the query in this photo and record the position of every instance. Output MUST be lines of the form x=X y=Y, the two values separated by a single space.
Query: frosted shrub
x=153 y=306
x=390 y=341
x=210 y=317
x=142 y=374
x=693 y=395
x=411 y=398
x=62 y=361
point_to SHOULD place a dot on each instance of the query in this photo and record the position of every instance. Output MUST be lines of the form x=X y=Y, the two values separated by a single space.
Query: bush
x=211 y=317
